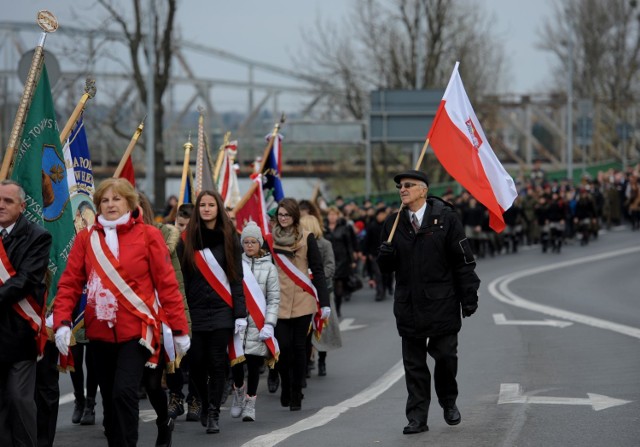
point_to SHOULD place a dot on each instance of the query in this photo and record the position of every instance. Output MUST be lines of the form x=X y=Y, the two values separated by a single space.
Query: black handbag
x=354 y=283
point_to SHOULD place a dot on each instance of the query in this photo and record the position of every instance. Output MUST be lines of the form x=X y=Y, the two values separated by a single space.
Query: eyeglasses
x=407 y=185
x=284 y=216
x=245 y=242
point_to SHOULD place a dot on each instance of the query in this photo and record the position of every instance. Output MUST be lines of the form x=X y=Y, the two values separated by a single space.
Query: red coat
x=145 y=257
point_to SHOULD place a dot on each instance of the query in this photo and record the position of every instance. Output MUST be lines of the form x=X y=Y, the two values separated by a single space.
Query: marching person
x=296 y=252
x=122 y=261
x=24 y=253
x=211 y=261
x=435 y=283
x=263 y=317
x=330 y=338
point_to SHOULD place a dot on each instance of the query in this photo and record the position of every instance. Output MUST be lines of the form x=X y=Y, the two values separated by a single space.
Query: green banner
x=39 y=167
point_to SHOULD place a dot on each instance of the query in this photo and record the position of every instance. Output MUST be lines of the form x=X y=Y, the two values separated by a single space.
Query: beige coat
x=295 y=302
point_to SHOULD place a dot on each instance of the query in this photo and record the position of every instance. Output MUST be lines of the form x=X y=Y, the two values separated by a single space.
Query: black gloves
x=386 y=249
x=469 y=309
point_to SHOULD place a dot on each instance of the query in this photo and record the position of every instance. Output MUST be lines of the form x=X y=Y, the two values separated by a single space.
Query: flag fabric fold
x=227 y=180
x=253 y=208
x=204 y=167
x=81 y=188
x=462 y=148
x=271 y=174
x=40 y=168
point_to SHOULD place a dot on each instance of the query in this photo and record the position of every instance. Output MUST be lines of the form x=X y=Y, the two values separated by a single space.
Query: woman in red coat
x=124 y=263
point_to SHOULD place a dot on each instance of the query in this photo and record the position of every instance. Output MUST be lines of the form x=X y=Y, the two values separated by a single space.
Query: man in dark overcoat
x=26 y=246
x=436 y=284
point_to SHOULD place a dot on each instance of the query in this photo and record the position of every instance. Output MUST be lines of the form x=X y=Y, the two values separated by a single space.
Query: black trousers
x=253 y=363
x=47 y=395
x=17 y=405
x=152 y=381
x=120 y=367
x=77 y=377
x=208 y=357
x=292 y=338
x=444 y=350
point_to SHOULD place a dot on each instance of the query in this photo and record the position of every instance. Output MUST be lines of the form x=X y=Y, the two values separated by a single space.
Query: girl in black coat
x=213 y=320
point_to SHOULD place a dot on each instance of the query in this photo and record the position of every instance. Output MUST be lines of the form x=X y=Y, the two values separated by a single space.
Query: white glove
x=63 y=339
x=326 y=312
x=241 y=325
x=182 y=344
x=266 y=332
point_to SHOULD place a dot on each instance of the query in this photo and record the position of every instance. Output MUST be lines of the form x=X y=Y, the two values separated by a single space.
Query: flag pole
x=129 y=150
x=395 y=224
x=89 y=92
x=220 y=159
x=185 y=168
x=49 y=24
x=267 y=149
x=269 y=146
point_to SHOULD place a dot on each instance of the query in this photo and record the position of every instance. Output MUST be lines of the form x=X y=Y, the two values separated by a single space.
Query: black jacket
x=208 y=310
x=342 y=242
x=27 y=247
x=435 y=271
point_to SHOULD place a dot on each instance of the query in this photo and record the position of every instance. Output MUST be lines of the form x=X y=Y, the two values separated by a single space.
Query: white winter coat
x=266 y=275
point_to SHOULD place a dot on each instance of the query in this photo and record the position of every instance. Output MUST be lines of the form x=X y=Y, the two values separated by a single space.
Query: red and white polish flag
x=462 y=148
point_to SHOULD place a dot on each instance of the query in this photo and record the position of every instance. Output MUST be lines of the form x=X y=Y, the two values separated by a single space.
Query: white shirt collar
x=9 y=228
x=420 y=213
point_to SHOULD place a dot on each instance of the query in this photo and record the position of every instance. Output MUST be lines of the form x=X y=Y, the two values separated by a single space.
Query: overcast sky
x=270 y=30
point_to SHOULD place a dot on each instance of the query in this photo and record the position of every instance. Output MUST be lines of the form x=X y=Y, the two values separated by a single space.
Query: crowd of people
x=188 y=311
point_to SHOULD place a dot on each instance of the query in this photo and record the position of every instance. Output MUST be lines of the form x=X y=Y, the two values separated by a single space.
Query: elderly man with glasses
x=436 y=284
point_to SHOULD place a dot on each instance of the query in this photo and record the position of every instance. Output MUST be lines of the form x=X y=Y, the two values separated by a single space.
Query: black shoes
x=452 y=415
x=89 y=414
x=415 y=427
x=78 y=409
x=164 y=434
x=296 y=401
x=273 y=381
x=285 y=397
x=212 y=422
x=322 y=369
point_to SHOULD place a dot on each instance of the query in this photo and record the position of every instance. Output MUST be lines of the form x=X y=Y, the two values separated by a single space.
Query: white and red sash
x=216 y=277
x=301 y=280
x=257 y=306
x=115 y=278
x=28 y=308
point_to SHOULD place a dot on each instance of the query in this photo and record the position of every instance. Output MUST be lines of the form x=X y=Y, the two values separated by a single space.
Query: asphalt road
x=550 y=359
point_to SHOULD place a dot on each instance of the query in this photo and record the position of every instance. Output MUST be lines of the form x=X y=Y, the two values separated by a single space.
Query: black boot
x=78 y=408
x=213 y=417
x=285 y=396
x=322 y=367
x=164 y=433
x=89 y=414
x=296 y=400
x=273 y=381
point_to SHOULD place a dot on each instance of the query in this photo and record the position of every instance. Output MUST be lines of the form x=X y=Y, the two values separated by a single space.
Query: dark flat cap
x=412 y=173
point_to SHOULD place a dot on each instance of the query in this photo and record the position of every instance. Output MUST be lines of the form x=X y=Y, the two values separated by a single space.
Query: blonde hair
x=310 y=223
x=120 y=186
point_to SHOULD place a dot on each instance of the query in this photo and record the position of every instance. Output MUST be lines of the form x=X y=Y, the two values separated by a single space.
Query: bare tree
x=403 y=44
x=605 y=37
x=134 y=29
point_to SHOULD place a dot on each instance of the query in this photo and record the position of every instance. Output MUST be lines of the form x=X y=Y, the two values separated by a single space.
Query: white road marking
x=499 y=288
x=501 y=320
x=327 y=414
x=346 y=324
x=66 y=398
x=511 y=393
